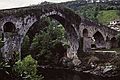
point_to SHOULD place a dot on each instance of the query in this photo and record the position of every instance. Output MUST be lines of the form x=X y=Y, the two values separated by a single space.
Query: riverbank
x=101 y=63
x=104 y=64
x=67 y=74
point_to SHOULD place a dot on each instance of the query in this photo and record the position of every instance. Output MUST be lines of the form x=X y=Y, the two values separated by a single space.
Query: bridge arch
x=99 y=40
x=71 y=33
x=85 y=33
x=9 y=27
x=8 y=30
x=70 y=24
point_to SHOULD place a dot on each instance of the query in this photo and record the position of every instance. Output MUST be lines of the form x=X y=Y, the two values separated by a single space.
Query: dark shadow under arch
x=85 y=33
x=99 y=40
x=9 y=27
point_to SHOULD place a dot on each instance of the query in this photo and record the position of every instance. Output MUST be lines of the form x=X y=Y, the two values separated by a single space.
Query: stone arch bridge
x=96 y=35
x=16 y=23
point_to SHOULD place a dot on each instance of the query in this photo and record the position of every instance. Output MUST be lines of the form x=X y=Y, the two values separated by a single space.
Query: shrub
x=27 y=68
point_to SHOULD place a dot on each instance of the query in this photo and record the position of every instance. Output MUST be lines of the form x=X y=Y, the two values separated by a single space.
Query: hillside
x=102 y=12
x=105 y=16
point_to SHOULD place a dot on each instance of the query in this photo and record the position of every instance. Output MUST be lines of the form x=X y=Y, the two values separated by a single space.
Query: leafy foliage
x=46 y=40
x=98 y=12
x=45 y=43
x=27 y=68
x=89 y=11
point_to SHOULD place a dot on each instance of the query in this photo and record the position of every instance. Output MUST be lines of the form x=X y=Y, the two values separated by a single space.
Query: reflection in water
x=62 y=74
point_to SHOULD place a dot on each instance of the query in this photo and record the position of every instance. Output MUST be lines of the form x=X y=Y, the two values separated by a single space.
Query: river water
x=63 y=74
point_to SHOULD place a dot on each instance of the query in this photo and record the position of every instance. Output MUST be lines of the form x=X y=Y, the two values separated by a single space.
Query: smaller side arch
x=103 y=33
x=8 y=30
x=85 y=32
x=9 y=27
x=99 y=40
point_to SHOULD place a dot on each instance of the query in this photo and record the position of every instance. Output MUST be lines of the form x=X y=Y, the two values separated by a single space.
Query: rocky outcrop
x=102 y=63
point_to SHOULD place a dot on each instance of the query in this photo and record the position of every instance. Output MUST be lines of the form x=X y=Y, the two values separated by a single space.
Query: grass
x=105 y=17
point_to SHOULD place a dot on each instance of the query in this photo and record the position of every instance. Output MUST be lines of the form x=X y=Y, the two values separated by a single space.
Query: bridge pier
x=87 y=41
x=108 y=44
x=11 y=46
x=74 y=43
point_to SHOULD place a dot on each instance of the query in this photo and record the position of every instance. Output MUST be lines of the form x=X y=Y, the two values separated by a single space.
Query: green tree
x=89 y=11
x=27 y=68
x=44 y=43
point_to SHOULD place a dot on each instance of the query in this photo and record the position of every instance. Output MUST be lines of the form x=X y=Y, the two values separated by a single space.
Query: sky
x=6 y=4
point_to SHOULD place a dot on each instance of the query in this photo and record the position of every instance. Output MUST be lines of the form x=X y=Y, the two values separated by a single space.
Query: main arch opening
x=99 y=40
x=48 y=39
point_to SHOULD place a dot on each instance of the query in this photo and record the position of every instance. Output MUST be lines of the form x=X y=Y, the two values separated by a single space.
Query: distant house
x=115 y=24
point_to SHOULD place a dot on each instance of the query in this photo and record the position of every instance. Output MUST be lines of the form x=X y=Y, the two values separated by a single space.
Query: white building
x=115 y=24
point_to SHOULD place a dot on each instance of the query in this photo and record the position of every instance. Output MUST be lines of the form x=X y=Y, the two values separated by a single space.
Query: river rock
x=103 y=63
x=76 y=61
